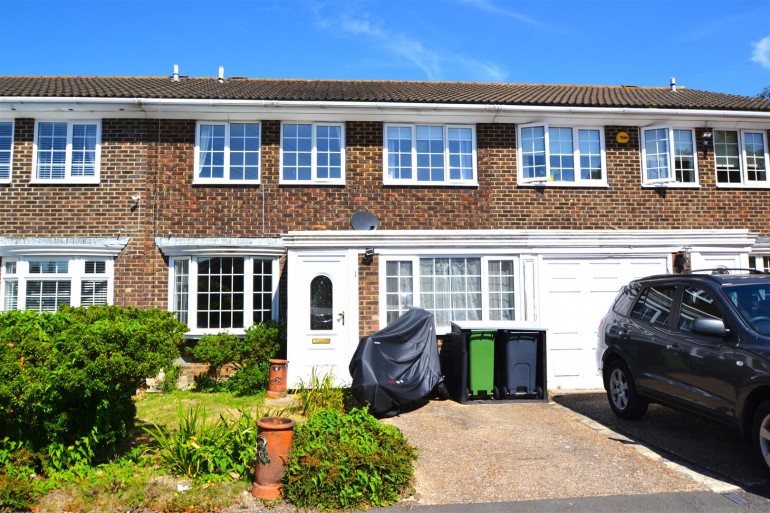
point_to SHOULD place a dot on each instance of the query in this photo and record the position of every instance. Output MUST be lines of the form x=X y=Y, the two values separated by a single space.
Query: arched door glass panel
x=321 y=303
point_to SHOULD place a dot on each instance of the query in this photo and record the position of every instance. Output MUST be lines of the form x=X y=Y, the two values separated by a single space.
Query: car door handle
x=675 y=347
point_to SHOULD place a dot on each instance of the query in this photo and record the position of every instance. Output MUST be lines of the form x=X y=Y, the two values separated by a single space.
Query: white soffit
x=217 y=246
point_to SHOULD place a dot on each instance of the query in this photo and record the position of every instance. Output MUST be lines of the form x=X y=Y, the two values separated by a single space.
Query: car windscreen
x=753 y=304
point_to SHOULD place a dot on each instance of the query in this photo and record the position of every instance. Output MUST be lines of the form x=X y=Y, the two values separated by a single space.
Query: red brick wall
x=155 y=159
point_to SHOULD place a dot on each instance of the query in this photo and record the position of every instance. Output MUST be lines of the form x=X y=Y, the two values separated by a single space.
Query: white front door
x=322 y=314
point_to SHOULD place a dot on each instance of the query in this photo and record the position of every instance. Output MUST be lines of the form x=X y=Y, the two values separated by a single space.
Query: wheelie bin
x=481 y=364
x=519 y=366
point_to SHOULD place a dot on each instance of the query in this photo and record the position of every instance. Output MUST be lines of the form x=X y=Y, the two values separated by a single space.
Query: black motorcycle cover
x=397 y=365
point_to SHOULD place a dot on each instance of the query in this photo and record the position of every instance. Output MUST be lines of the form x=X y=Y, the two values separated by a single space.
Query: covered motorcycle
x=398 y=365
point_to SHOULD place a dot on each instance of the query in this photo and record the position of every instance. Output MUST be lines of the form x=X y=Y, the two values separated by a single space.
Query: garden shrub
x=69 y=374
x=249 y=354
x=321 y=392
x=344 y=461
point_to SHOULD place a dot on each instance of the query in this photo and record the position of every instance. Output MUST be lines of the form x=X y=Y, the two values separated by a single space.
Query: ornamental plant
x=66 y=375
x=344 y=461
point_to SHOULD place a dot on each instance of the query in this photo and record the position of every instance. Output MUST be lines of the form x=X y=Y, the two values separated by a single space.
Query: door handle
x=341 y=315
x=672 y=346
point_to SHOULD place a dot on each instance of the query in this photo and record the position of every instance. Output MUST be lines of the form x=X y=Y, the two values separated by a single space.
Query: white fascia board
x=166 y=108
x=542 y=241
x=34 y=246
x=217 y=246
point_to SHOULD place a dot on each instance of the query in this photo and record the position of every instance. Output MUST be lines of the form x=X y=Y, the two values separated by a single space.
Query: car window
x=654 y=305
x=753 y=304
x=697 y=303
x=626 y=298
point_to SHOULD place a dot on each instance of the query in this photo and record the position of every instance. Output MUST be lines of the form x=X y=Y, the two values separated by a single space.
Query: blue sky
x=716 y=45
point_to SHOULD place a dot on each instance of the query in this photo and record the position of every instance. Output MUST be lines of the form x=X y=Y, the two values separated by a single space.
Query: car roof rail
x=726 y=270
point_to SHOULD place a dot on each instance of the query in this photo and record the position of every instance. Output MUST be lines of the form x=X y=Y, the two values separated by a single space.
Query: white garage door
x=575 y=295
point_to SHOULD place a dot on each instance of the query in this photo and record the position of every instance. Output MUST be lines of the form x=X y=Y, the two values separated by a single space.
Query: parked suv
x=699 y=342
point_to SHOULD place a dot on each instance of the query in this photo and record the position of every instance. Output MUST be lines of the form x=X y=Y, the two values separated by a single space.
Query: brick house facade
x=148 y=218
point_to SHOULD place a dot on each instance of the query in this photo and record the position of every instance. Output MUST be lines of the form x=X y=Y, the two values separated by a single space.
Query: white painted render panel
x=575 y=295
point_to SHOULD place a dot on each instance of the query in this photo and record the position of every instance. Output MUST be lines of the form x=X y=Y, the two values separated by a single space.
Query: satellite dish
x=364 y=221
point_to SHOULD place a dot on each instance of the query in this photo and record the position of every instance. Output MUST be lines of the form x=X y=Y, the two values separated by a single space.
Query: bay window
x=552 y=155
x=430 y=154
x=45 y=283
x=213 y=294
x=453 y=288
x=668 y=157
x=741 y=158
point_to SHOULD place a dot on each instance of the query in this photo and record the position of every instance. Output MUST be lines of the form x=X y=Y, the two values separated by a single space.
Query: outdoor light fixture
x=368 y=256
x=707 y=139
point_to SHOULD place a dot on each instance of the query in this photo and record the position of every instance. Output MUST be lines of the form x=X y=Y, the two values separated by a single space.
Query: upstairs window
x=550 y=155
x=6 y=150
x=430 y=154
x=668 y=157
x=227 y=153
x=67 y=152
x=741 y=158
x=312 y=153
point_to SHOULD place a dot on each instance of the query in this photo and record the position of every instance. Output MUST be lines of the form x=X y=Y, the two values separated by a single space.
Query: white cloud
x=488 y=6
x=432 y=62
x=761 y=54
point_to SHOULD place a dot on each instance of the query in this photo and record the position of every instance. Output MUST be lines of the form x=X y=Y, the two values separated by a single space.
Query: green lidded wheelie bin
x=481 y=363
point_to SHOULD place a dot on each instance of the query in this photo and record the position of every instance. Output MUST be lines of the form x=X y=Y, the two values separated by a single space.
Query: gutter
x=495 y=110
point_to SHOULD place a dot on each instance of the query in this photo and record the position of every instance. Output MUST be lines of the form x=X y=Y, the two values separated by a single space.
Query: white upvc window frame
x=547 y=180
x=227 y=178
x=314 y=153
x=447 y=156
x=68 y=178
x=671 y=180
x=416 y=292
x=76 y=274
x=190 y=309
x=6 y=152
x=743 y=160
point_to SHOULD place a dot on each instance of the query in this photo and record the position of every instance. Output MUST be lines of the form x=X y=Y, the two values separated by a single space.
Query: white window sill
x=761 y=185
x=312 y=182
x=66 y=181
x=671 y=185
x=573 y=185
x=227 y=182
x=415 y=183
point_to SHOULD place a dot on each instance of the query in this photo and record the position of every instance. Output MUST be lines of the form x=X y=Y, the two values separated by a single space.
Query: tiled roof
x=377 y=91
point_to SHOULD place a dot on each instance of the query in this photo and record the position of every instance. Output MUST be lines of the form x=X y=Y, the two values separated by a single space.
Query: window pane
x=754 y=146
x=727 y=156
x=181 y=288
x=451 y=288
x=244 y=151
x=211 y=151
x=93 y=292
x=501 y=291
x=296 y=148
x=51 y=150
x=656 y=154
x=430 y=153
x=561 y=154
x=47 y=296
x=6 y=148
x=321 y=301
x=460 y=144
x=399 y=295
x=533 y=152
x=589 y=145
x=684 y=156
x=83 y=150
x=399 y=152
x=654 y=306
x=696 y=304
x=263 y=290
x=11 y=298
x=220 y=293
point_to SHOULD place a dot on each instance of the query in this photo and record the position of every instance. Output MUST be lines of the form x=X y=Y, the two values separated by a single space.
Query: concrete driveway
x=503 y=451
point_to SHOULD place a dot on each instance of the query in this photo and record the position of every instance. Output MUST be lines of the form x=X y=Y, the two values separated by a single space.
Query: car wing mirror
x=710 y=327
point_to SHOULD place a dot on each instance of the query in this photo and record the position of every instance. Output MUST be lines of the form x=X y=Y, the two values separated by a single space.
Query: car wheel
x=760 y=435
x=622 y=394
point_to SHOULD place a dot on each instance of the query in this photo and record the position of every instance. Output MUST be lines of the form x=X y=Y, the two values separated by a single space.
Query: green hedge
x=63 y=374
